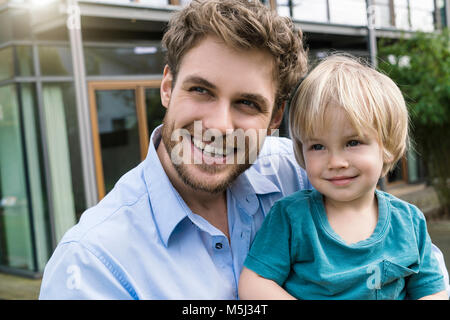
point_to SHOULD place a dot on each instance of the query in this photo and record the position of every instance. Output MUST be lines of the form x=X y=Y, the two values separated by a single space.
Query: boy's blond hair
x=371 y=100
x=240 y=24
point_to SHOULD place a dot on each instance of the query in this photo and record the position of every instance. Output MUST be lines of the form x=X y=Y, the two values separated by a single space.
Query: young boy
x=345 y=239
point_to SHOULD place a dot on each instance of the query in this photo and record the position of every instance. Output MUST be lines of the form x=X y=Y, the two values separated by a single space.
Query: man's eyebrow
x=261 y=100
x=200 y=81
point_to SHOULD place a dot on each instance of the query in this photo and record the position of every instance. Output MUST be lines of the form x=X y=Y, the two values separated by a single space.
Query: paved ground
x=18 y=288
x=440 y=235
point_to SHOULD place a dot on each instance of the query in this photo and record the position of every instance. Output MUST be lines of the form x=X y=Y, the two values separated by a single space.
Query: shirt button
x=218 y=245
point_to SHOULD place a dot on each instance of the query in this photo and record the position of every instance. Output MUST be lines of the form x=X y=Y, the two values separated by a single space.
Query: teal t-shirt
x=297 y=248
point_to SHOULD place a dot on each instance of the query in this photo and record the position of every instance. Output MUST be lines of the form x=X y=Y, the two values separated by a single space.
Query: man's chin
x=209 y=178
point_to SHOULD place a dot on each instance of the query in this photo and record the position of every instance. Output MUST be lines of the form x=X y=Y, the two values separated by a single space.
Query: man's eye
x=198 y=90
x=248 y=103
x=317 y=147
x=353 y=143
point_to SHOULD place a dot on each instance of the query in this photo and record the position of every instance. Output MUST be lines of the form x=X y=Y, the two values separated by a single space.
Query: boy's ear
x=166 y=86
x=388 y=160
x=277 y=116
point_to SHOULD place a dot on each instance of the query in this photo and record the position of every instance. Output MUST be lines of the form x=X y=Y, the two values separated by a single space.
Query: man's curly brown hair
x=240 y=24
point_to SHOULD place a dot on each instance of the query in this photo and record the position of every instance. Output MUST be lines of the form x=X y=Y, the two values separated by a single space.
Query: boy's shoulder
x=396 y=203
x=401 y=210
x=300 y=196
x=298 y=201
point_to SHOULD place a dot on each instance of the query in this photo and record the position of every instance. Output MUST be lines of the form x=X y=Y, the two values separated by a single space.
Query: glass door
x=120 y=127
x=16 y=249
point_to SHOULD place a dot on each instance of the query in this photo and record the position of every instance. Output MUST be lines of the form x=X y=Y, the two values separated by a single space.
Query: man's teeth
x=210 y=150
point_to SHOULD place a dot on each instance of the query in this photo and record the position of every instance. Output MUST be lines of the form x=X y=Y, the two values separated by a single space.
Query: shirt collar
x=259 y=181
x=168 y=207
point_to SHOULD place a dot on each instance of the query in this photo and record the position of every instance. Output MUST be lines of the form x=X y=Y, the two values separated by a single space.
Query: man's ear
x=277 y=116
x=166 y=86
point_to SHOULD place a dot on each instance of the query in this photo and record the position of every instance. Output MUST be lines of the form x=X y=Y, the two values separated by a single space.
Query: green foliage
x=425 y=82
x=421 y=68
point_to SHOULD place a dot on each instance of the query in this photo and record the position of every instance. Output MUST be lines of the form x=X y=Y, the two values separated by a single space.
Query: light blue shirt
x=143 y=242
x=297 y=248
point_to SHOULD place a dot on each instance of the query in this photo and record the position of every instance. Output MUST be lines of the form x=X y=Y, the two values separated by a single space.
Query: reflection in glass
x=15 y=228
x=59 y=159
x=38 y=195
x=422 y=15
x=155 y=2
x=14 y=24
x=123 y=61
x=64 y=156
x=315 y=10
x=155 y=110
x=24 y=61
x=402 y=15
x=6 y=63
x=5 y=26
x=350 y=12
x=119 y=133
x=382 y=14
x=309 y=10
x=55 y=60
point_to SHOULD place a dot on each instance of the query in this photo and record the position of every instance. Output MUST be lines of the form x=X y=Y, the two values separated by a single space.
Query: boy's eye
x=353 y=143
x=317 y=147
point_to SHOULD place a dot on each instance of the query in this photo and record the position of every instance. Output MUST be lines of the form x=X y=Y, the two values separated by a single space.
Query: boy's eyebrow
x=355 y=134
x=310 y=139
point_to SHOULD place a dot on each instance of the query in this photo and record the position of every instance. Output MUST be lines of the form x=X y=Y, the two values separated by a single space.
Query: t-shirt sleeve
x=429 y=279
x=270 y=253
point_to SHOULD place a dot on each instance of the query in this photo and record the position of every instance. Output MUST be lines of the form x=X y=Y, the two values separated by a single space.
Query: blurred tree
x=421 y=68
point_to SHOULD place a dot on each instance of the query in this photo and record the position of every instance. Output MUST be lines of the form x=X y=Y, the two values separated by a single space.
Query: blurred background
x=79 y=97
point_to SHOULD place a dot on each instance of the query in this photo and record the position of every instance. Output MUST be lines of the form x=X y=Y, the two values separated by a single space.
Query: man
x=179 y=225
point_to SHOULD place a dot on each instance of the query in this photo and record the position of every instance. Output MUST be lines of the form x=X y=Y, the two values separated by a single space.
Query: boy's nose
x=337 y=161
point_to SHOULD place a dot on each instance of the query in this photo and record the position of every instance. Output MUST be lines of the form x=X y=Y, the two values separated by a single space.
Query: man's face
x=218 y=91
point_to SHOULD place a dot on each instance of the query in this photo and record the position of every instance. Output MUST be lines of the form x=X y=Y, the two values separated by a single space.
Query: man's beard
x=183 y=171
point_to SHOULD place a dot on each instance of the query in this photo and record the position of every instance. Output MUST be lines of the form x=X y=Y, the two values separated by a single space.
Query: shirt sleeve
x=270 y=253
x=74 y=273
x=429 y=279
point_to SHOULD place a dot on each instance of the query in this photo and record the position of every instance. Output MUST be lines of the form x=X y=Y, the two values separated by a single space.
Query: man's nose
x=219 y=117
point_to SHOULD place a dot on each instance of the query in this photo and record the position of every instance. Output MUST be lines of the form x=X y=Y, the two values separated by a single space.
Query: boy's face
x=223 y=90
x=342 y=165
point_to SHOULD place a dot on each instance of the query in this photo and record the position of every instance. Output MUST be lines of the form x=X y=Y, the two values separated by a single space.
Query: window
x=124 y=60
x=6 y=63
x=422 y=12
x=16 y=250
x=350 y=12
x=304 y=10
x=55 y=60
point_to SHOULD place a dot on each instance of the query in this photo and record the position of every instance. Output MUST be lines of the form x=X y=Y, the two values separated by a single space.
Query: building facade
x=79 y=95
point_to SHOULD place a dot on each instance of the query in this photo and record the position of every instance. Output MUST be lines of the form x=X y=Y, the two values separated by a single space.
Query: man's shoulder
x=122 y=206
x=276 y=163
x=276 y=146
